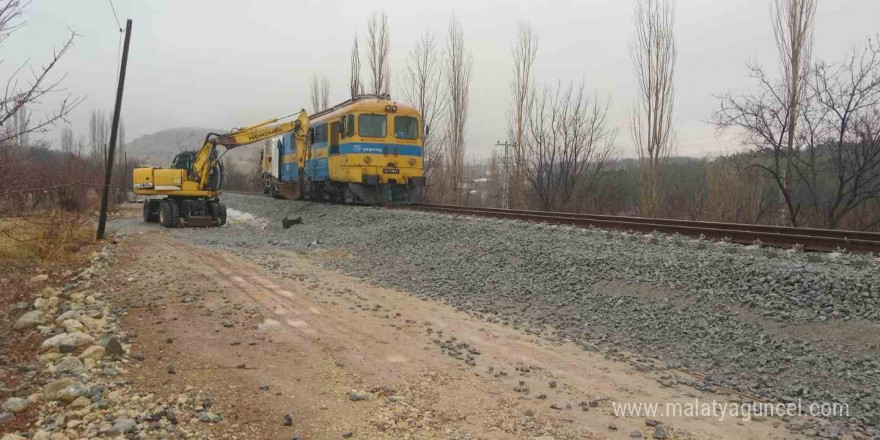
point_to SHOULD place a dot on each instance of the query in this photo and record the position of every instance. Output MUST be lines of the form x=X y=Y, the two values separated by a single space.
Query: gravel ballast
x=778 y=324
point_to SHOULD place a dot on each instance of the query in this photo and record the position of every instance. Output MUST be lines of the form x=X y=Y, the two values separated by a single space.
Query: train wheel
x=349 y=197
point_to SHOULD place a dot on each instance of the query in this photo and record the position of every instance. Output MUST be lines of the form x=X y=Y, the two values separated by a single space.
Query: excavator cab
x=184 y=161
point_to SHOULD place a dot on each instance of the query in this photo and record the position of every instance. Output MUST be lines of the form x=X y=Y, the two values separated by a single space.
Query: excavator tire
x=220 y=213
x=168 y=214
x=150 y=214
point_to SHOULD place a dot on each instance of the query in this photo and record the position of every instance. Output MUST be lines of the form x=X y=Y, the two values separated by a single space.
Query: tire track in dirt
x=314 y=326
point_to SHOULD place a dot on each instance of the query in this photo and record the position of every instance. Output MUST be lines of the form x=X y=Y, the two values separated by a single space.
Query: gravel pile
x=728 y=311
x=75 y=385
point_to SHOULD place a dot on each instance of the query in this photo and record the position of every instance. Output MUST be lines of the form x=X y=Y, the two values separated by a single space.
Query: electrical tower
x=505 y=161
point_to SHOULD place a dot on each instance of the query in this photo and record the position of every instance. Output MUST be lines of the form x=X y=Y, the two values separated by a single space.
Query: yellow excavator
x=192 y=185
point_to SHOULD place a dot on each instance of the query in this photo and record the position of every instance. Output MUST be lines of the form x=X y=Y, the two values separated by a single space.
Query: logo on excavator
x=262 y=134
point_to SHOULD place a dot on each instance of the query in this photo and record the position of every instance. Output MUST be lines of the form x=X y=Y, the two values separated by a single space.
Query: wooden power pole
x=102 y=220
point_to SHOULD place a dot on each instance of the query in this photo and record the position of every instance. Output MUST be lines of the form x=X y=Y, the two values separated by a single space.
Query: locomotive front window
x=406 y=127
x=372 y=126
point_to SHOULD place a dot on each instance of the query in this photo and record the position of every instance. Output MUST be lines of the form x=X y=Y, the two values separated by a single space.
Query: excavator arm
x=206 y=158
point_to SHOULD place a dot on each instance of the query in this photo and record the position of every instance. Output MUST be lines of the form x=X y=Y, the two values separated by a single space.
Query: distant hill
x=159 y=148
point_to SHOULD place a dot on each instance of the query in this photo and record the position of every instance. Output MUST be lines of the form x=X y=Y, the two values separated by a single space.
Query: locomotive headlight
x=367 y=159
x=412 y=162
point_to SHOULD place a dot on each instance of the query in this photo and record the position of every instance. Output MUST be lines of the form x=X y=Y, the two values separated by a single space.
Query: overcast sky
x=221 y=64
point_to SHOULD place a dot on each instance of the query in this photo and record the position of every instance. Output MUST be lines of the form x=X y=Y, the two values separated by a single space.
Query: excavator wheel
x=219 y=212
x=168 y=214
x=150 y=212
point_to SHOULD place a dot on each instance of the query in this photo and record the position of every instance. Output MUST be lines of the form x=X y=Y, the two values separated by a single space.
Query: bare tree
x=99 y=133
x=355 y=86
x=653 y=53
x=325 y=92
x=319 y=92
x=29 y=172
x=19 y=124
x=315 y=92
x=458 y=69
x=761 y=117
x=20 y=93
x=422 y=89
x=568 y=144
x=768 y=118
x=525 y=51
x=793 y=29
x=67 y=143
x=379 y=46
x=839 y=161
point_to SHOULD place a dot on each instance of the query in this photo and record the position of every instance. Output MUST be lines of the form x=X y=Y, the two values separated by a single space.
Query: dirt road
x=272 y=333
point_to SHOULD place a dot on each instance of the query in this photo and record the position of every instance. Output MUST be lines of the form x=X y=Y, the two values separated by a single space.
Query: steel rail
x=825 y=240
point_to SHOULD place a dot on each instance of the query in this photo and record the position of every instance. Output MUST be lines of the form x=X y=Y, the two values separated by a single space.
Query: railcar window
x=320 y=133
x=349 y=125
x=406 y=127
x=372 y=126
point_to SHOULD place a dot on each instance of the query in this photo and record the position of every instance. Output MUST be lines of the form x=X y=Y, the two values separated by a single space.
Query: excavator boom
x=192 y=193
x=206 y=160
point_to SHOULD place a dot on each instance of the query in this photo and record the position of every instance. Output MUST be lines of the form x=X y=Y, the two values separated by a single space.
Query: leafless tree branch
x=653 y=52
x=379 y=46
x=458 y=69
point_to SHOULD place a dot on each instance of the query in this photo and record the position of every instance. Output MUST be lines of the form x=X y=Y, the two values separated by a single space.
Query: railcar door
x=334 y=138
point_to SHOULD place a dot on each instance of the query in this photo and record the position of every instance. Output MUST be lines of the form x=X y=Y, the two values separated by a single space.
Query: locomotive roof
x=364 y=104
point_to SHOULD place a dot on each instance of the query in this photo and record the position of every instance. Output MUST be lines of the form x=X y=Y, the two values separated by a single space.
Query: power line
x=118 y=25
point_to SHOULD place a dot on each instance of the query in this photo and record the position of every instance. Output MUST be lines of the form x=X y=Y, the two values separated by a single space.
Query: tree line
x=810 y=133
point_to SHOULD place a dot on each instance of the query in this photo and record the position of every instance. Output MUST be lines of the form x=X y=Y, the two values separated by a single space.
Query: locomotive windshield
x=406 y=127
x=372 y=126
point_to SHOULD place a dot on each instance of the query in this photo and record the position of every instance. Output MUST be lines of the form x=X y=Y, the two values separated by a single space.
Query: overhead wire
x=118 y=25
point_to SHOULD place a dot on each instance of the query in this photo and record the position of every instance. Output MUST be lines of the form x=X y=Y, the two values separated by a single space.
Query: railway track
x=825 y=240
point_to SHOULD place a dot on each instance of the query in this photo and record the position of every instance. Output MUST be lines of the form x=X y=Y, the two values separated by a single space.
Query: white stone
x=70 y=314
x=15 y=405
x=29 y=320
x=72 y=325
x=38 y=279
x=79 y=403
x=46 y=329
x=69 y=364
x=95 y=352
x=51 y=390
x=94 y=325
x=77 y=339
x=50 y=357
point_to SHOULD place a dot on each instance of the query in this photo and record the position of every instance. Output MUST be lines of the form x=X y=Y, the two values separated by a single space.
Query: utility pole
x=102 y=220
x=505 y=162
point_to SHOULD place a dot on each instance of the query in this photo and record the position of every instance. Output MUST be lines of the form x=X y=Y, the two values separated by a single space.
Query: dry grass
x=50 y=236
